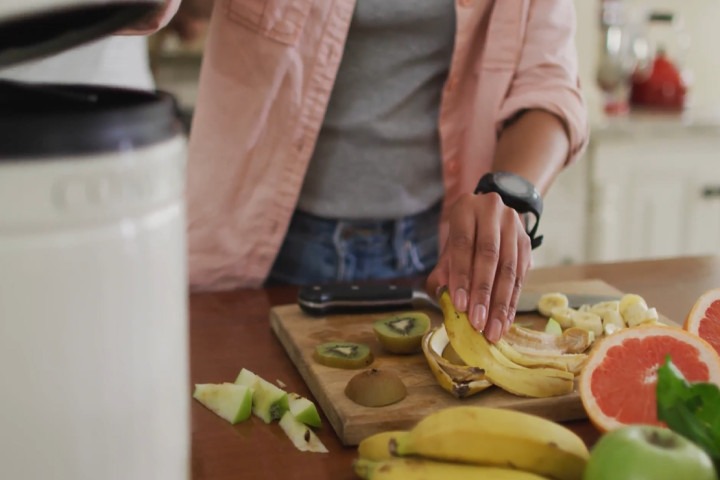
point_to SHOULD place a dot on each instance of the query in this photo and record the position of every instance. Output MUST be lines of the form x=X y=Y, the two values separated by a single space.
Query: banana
x=377 y=447
x=630 y=299
x=496 y=437
x=476 y=351
x=588 y=321
x=422 y=469
x=460 y=380
x=548 y=301
x=612 y=305
x=637 y=314
x=563 y=315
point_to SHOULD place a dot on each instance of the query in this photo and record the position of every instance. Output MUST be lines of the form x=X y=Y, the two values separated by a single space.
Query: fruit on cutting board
x=303 y=410
x=269 y=401
x=618 y=383
x=376 y=388
x=343 y=355
x=704 y=318
x=644 y=452
x=476 y=351
x=493 y=437
x=377 y=447
x=227 y=400
x=301 y=435
x=603 y=318
x=402 y=333
x=424 y=469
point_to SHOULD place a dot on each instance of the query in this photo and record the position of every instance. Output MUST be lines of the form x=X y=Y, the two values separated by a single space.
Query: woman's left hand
x=484 y=262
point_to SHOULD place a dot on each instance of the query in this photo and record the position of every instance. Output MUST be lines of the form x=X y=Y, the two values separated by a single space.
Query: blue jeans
x=319 y=250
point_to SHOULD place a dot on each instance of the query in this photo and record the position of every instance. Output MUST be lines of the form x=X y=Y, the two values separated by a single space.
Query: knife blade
x=358 y=298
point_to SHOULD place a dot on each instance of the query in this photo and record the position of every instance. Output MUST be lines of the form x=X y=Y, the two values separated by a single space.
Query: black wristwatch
x=518 y=194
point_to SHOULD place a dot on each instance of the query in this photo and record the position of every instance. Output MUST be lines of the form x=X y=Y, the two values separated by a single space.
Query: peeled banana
x=422 y=469
x=476 y=351
x=495 y=437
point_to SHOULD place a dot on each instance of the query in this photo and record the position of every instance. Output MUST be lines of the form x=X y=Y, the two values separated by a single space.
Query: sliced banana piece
x=548 y=301
x=588 y=321
x=611 y=305
x=563 y=315
x=629 y=300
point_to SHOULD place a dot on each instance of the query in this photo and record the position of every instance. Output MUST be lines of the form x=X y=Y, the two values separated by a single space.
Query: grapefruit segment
x=704 y=318
x=618 y=383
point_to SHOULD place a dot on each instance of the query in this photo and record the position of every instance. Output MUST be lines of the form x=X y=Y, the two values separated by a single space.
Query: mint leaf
x=690 y=409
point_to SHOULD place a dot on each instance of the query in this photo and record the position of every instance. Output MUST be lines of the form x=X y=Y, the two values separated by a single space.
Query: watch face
x=514 y=185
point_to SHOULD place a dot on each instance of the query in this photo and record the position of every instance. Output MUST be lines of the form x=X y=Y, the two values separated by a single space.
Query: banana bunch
x=516 y=372
x=604 y=318
x=475 y=443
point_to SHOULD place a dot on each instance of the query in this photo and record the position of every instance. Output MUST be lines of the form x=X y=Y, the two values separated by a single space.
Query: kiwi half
x=343 y=355
x=402 y=333
x=376 y=388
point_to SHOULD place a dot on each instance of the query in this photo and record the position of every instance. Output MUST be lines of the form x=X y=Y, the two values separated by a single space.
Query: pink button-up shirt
x=268 y=71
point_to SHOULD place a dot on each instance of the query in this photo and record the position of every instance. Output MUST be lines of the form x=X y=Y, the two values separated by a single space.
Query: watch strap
x=487 y=184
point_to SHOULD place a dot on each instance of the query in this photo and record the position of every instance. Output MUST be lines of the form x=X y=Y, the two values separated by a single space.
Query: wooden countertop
x=231 y=330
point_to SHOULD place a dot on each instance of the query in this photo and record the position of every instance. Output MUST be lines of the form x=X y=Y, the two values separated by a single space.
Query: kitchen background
x=649 y=184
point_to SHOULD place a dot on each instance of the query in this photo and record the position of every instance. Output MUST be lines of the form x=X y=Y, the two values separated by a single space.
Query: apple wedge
x=301 y=435
x=228 y=400
x=303 y=410
x=269 y=402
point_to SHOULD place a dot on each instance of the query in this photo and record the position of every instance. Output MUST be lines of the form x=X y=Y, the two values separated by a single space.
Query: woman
x=304 y=105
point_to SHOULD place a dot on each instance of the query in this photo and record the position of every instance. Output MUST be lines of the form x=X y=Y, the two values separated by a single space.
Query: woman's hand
x=484 y=263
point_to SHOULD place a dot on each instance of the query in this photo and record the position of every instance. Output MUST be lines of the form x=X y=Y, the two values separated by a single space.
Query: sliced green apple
x=301 y=435
x=228 y=400
x=269 y=401
x=303 y=410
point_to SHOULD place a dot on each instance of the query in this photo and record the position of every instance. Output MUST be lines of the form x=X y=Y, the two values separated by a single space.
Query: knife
x=357 y=298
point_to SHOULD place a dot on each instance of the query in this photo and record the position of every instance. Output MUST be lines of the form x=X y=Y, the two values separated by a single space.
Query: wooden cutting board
x=300 y=334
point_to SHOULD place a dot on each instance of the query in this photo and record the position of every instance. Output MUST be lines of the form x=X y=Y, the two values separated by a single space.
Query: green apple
x=229 y=401
x=269 y=401
x=553 y=326
x=301 y=435
x=304 y=410
x=644 y=452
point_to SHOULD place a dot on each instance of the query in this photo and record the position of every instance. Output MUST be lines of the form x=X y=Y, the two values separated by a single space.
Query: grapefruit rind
x=596 y=357
x=697 y=312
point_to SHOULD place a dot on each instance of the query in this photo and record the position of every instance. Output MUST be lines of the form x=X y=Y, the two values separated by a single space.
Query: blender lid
x=32 y=29
x=42 y=121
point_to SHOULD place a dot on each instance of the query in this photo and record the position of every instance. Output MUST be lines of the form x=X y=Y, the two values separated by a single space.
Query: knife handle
x=334 y=298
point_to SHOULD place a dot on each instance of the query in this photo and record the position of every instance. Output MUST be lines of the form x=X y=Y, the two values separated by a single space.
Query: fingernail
x=460 y=299
x=494 y=330
x=478 y=317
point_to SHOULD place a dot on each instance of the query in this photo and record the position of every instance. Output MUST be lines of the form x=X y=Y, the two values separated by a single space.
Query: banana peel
x=476 y=351
x=460 y=380
x=572 y=340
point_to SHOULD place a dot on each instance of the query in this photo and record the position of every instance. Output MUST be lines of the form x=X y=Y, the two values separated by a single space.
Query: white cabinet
x=564 y=218
x=654 y=195
x=644 y=189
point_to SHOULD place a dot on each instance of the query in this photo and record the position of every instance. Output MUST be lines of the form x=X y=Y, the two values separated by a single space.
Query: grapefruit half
x=704 y=318
x=617 y=385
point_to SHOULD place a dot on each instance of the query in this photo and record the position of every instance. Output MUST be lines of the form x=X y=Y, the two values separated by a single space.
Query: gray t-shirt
x=378 y=152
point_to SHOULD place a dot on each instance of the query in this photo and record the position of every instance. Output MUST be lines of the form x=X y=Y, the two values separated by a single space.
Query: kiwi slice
x=343 y=355
x=402 y=333
x=376 y=388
